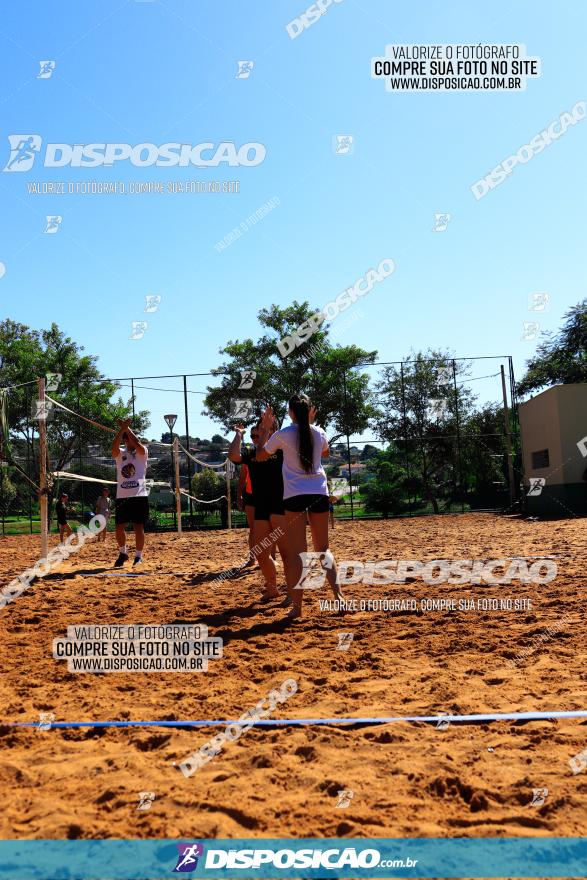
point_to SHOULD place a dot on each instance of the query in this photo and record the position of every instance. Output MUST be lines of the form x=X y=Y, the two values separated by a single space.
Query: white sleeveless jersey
x=131 y=471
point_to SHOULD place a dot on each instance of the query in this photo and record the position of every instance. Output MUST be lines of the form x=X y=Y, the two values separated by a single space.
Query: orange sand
x=406 y=779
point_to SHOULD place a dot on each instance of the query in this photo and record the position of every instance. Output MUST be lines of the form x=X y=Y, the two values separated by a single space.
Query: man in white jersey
x=132 y=495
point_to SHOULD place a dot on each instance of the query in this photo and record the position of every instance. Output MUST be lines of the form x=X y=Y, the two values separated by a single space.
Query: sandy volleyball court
x=405 y=779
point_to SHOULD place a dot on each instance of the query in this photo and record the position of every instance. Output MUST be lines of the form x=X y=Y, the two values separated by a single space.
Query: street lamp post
x=170 y=421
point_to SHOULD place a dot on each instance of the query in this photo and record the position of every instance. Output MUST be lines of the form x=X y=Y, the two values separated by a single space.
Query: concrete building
x=553 y=428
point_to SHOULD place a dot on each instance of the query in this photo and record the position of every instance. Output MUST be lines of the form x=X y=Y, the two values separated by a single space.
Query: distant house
x=355 y=469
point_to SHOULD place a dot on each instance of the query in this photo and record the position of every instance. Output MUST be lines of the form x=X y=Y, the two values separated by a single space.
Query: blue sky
x=156 y=72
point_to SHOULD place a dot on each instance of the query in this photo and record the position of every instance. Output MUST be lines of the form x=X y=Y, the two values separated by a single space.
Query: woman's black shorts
x=266 y=509
x=248 y=499
x=311 y=503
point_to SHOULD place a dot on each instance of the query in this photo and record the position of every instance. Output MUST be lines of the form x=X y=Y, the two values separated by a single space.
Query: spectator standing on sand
x=104 y=508
x=65 y=529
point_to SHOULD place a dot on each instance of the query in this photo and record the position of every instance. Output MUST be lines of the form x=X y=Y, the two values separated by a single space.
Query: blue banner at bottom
x=290 y=858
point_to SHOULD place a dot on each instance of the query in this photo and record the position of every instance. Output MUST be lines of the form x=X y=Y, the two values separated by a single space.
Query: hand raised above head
x=267 y=419
x=312 y=415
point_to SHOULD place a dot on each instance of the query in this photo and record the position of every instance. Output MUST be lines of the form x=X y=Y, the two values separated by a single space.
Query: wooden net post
x=228 y=495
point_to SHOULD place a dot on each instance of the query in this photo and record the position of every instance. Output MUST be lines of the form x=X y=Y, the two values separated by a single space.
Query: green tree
x=208 y=484
x=8 y=492
x=388 y=492
x=484 y=457
x=560 y=358
x=419 y=407
x=316 y=368
x=28 y=354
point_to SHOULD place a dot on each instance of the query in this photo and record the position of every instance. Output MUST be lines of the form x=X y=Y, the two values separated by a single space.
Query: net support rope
x=207 y=464
x=200 y=500
x=112 y=431
x=65 y=475
x=79 y=416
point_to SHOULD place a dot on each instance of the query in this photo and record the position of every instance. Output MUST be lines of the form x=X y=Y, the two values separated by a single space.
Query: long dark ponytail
x=300 y=406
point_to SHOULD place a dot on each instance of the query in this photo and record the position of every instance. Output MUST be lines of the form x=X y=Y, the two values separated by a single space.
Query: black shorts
x=311 y=503
x=134 y=510
x=61 y=521
x=248 y=499
x=268 y=508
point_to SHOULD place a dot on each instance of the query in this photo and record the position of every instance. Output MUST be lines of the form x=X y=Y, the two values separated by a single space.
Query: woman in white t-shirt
x=305 y=492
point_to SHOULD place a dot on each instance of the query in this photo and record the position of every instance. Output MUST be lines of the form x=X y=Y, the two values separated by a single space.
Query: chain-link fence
x=441 y=436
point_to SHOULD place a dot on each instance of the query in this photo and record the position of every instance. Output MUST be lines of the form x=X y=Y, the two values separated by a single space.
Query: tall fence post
x=28 y=456
x=401 y=367
x=508 y=439
x=79 y=452
x=43 y=498
x=458 y=424
x=348 y=444
x=187 y=446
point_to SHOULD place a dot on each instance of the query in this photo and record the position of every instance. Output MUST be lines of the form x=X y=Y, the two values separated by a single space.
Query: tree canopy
x=326 y=373
x=28 y=354
x=560 y=358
